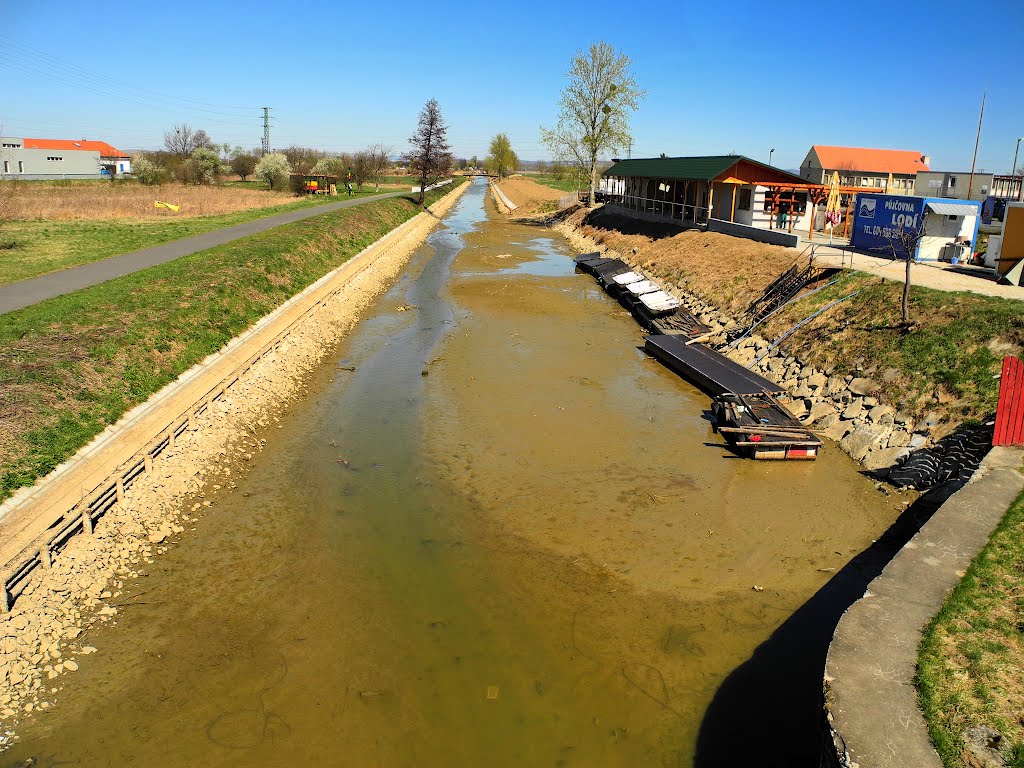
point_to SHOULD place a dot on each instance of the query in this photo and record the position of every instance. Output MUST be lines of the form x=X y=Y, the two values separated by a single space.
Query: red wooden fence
x=1010 y=412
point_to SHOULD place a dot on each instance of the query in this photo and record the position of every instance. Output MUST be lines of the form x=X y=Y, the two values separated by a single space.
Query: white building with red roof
x=861 y=167
x=25 y=158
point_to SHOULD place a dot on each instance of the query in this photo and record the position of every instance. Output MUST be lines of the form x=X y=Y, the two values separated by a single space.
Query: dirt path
x=530 y=197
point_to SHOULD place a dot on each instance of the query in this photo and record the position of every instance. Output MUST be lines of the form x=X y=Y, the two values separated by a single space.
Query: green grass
x=568 y=184
x=972 y=653
x=947 y=350
x=74 y=364
x=33 y=248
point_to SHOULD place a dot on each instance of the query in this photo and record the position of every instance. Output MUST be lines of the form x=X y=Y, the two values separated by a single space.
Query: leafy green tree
x=502 y=161
x=273 y=170
x=595 y=106
x=243 y=164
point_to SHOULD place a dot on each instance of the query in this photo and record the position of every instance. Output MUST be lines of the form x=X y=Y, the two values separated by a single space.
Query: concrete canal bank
x=486 y=529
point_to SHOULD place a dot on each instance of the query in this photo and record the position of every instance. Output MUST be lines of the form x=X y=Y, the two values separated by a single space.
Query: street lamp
x=772 y=151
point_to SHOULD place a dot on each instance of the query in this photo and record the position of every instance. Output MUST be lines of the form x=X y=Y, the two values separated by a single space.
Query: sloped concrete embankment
x=70 y=543
x=501 y=199
x=872 y=710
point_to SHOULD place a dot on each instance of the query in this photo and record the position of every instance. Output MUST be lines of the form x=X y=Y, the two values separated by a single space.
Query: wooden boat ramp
x=747 y=407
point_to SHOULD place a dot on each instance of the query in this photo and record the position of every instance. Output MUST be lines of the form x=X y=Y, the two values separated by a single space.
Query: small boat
x=759 y=426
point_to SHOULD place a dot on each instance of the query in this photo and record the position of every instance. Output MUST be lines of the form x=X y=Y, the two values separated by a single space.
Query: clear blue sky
x=731 y=76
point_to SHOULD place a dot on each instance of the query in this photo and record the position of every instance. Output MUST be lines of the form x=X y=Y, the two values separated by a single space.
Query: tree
x=430 y=158
x=380 y=161
x=595 y=106
x=361 y=168
x=474 y=163
x=903 y=241
x=273 y=169
x=182 y=141
x=147 y=171
x=542 y=166
x=502 y=160
x=243 y=164
x=302 y=159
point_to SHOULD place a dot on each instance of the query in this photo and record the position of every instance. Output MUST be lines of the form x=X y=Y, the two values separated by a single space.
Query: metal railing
x=694 y=214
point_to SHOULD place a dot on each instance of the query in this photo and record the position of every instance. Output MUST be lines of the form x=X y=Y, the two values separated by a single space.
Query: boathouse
x=724 y=193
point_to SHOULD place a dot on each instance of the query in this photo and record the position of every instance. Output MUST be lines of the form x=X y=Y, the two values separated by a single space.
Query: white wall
x=940 y=231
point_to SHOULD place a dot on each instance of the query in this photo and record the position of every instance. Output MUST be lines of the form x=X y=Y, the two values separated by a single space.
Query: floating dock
x=707 y=370
x=746 y=406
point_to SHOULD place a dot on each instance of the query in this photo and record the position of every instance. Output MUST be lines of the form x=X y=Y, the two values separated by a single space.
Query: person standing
x=348 y=181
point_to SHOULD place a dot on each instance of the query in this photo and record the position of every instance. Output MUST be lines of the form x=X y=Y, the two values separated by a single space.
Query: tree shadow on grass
x=772 y=704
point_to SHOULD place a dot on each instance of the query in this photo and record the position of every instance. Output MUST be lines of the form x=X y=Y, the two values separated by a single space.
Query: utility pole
x=970 y=184
x=266 y=131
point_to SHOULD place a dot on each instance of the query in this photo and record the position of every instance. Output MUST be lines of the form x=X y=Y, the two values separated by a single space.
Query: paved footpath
x=940 y=277
x=27 y=292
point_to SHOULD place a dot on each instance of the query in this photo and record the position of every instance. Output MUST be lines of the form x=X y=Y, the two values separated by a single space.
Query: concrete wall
x=774 y=236
x=35 y=163
x=954 y=184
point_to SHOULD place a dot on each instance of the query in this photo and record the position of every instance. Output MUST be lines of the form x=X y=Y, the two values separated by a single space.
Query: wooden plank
x=1010 y=410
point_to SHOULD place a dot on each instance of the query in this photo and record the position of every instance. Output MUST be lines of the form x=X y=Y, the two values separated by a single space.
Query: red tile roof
x=870 y=160
x=102 y=147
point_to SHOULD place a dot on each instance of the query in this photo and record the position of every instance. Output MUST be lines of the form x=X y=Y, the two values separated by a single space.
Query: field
x=72 y=365
x=566 y=184
x=57 y=225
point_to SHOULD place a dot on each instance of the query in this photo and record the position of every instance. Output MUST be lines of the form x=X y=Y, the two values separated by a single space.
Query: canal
x=493 y=533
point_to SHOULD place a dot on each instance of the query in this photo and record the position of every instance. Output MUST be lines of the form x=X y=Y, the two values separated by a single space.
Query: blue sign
x=878 y=221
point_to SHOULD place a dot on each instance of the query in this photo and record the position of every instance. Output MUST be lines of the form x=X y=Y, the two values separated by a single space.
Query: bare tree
x=595 y=107
x=903 y=241
x=182 y=141
x=430 y=159
x=380 y=161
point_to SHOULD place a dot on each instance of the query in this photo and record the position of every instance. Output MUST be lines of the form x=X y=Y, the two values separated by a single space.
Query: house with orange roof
x=27 y=158
x=861 y=167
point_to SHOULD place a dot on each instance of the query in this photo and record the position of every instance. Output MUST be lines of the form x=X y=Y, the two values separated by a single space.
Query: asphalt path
x=27 y=292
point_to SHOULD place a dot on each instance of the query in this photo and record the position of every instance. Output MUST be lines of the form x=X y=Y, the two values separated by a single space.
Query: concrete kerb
x=871 y=703
x=500 y=197
x=37 y=521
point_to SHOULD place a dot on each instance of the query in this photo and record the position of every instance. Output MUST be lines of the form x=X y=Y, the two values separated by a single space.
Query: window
x=7 y=166
x=55 y=159
x=12 y=146
x=21 y=166
x=952 y=182
x=744 y=201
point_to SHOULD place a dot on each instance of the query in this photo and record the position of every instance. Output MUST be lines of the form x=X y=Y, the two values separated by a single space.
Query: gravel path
x=28 y=292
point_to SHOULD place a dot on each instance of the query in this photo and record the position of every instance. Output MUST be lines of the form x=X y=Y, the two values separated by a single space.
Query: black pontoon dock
x=746 y=406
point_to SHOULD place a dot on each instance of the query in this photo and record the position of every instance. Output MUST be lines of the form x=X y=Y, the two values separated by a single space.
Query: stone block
x=881 y=414
x=818 y=411
x=853 y=410
x=898 y=439
x=863 y=386
x=883 y=458
x=836 y=385
x=864 y=438
x=837 y=430
x=817 y=380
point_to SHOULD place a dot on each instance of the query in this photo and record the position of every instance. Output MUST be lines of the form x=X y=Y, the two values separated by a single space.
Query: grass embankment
x=74 y=364
x=29 y=248
x=943 y=363
x=565 y=184
x=971 y=666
